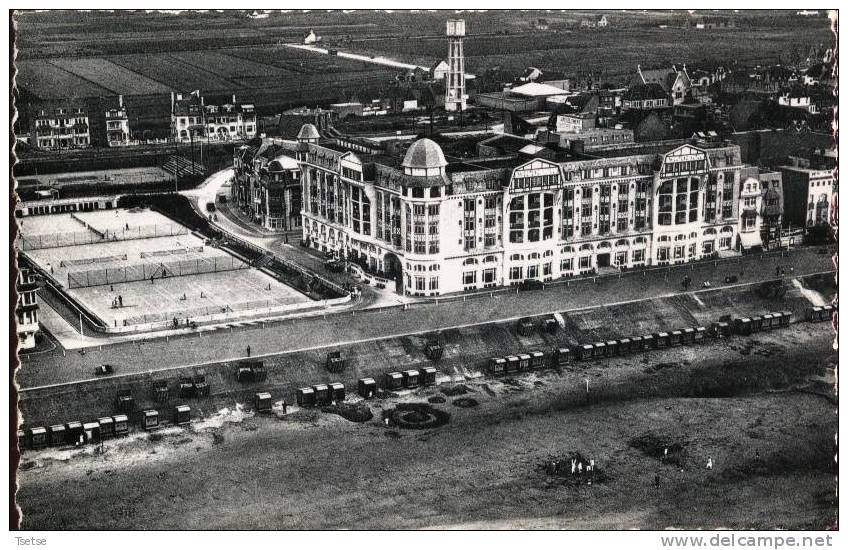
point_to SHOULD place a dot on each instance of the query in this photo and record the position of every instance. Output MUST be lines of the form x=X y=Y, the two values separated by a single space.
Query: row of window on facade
x=531 y=220
x=220 y=130
x=61 y=122
x=67 y=142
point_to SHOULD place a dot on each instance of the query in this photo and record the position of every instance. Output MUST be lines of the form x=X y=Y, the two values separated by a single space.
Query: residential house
x=644 y=96
x=266 y=184
x=117 y=125
x=675 y=82
x=439 y=70
x=540 y=24
x=192 y=118
x=60 y=126
x=771 y=184
x=311 y=38
x=797 y=99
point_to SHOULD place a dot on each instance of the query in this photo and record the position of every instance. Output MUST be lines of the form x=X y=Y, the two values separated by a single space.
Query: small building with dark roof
x=645 y=97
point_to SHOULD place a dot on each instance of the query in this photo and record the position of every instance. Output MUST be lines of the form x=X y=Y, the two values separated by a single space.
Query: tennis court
x=136 y=267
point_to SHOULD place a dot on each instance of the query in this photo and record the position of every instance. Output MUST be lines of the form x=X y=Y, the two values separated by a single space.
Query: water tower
x=455 y=78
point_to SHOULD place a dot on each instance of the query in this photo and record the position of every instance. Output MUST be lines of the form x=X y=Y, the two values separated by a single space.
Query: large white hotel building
x=439 y=227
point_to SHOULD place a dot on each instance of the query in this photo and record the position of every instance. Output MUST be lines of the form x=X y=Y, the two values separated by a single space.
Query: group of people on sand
x=578 y=466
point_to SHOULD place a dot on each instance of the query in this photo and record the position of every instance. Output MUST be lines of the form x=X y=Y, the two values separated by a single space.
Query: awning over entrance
x=751 y=239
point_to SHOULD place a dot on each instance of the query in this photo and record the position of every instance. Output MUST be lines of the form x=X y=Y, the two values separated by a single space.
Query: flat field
x=111 y=76
x=227 y=66
x=173 y=72
x=609 y=54
x=47 y=81
x=142 y=55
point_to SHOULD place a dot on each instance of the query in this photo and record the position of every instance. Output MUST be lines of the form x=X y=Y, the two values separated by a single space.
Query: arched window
x=680 y=237
x=664 y=238
x=586 y=246
x=470 y=261
x=517 y=257
x=640 y=240
x=490 y=259
x=621 y=242
x=604 y=244
x=567 y=250
x=434 y=267
x=727 y=229
x=533 y=256
x=710 y=231
x=548 y=253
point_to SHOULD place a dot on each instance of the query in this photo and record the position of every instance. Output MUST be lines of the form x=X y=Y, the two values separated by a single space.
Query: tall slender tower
x=455 y=79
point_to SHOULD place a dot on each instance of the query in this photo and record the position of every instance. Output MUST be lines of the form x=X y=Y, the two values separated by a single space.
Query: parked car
x=104 y=369
x=531 y=284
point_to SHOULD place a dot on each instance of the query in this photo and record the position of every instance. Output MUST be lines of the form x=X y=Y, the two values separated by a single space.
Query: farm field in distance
x=220 y=53
x=611 y=55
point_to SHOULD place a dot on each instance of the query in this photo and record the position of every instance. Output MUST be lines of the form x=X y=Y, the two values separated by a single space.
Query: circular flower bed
x=417 y=416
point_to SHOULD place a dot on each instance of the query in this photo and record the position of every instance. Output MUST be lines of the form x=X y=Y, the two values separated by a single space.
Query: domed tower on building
x=422 y=202
x=308 y=134
x=424 y=158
